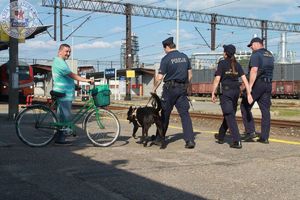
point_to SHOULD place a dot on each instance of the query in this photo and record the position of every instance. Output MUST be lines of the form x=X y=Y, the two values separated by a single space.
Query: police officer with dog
x=176 y=72
x=261 y=67
x=227 y=74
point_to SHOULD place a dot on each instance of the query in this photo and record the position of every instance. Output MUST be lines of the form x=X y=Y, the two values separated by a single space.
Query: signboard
x=109 y=72
x=122 y=85
x=130 y=73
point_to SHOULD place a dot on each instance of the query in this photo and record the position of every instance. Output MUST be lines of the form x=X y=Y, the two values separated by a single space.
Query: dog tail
x=156 y=103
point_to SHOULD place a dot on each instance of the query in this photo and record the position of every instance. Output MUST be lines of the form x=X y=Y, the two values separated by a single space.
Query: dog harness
x=134 y=115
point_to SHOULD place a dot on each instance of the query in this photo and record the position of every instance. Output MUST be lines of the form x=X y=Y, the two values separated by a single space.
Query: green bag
x=101 y=95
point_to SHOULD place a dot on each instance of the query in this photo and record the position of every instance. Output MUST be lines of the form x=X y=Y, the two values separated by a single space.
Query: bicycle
x=37 y=124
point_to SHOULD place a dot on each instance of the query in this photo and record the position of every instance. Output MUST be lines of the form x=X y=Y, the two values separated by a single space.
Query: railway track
x=274 y=122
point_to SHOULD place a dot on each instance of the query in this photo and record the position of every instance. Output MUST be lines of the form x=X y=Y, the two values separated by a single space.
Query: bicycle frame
x=89 y=105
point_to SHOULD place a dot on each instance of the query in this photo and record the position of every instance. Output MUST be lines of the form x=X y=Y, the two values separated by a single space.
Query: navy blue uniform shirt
x=264 y=60
x=227 y=76
x=175 y=66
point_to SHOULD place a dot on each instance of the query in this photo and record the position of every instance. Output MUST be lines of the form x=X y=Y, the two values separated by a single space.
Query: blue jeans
x=64 y=114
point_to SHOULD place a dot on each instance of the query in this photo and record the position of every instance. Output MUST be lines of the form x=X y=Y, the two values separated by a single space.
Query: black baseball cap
x=256 y=39
x=168 y=41
x=229 y=49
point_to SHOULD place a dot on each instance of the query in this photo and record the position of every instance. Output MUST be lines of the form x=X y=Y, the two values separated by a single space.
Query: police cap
x=168 y=41
x=229 y=49
x=256 y=39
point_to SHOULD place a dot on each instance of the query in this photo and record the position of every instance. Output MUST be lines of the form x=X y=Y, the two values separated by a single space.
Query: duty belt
x=175 y=83
x=266 y=80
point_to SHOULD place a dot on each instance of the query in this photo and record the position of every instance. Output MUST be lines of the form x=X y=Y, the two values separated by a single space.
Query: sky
x=101 y=36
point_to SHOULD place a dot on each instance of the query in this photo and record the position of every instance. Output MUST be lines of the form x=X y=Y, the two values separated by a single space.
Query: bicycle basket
x=101 y=95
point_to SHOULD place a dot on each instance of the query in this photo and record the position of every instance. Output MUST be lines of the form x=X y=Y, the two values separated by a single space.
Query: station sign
x=130 y=73
x=110 y=72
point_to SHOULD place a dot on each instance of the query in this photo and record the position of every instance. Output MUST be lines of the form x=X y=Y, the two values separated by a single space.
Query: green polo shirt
x=61 y=81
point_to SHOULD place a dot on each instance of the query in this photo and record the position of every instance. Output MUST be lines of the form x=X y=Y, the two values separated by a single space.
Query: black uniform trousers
x=176 y=94
x=229 y=100
x=261 y=93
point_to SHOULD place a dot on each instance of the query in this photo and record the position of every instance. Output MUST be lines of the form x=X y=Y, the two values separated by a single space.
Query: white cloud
x=117 y=29
x=98 y=45
x=183 y=34
x=39 y=44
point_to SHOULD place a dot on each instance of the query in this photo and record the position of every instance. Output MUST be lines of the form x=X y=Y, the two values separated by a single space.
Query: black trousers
x=261 y=93
x=229 y=101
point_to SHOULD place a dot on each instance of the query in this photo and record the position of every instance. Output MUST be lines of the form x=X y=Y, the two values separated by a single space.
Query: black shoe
x=189 y=144
x=236 y=145
x=219 y=140
x=63 y=143
x=249 y=137
x=264 y=141
x=216 y=136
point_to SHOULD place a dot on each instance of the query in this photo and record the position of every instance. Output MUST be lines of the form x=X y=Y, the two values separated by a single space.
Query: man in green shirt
x=63 y=82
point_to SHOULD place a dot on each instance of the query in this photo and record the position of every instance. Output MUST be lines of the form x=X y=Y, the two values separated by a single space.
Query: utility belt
x=224 y=87
x=265 y=79
x=174 y=83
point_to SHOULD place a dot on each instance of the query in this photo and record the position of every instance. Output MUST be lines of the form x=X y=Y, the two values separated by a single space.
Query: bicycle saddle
x=57 y=94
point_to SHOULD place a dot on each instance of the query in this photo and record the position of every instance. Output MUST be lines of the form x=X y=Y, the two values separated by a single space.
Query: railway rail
x=274 y=122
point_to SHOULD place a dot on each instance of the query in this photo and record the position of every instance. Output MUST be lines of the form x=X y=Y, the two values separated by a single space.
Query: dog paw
x=139 y=142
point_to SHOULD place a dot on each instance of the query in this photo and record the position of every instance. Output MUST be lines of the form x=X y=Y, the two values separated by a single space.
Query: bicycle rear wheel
x=35 y=125
x=102 y=127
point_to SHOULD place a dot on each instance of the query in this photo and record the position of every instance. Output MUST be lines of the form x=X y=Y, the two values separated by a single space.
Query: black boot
x=249 y=137
x=236 y=144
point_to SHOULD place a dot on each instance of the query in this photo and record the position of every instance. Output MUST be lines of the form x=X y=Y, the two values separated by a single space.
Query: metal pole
x=177 y=26
x=13 y=94
x=213 y=32
x=128 y=49
x=55 y=13
x=61 y=20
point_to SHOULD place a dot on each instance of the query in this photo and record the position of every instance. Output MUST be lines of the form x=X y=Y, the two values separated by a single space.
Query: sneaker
x=264 y=141
x=236 y=145
x=249 y=137
x=190 y=144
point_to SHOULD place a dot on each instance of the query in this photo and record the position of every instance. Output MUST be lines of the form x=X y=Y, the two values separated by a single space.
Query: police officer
x=228 y=73
x=176 y=72
x=261 y=67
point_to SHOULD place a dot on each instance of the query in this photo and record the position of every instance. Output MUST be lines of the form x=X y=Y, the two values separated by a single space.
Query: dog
x=146 y=116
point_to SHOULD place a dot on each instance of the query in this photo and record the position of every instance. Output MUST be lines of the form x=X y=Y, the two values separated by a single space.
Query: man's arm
x=252 y=77
x=158 y=80
x=190 y=75
x=79 y=78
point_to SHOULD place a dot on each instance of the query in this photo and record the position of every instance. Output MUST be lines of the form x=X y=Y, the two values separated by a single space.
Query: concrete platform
x=128 y=170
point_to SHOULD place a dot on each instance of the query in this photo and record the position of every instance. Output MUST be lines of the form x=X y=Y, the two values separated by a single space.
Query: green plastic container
x=101 y=95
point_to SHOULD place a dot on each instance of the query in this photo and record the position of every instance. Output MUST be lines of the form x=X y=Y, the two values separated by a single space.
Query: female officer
x=228 y=73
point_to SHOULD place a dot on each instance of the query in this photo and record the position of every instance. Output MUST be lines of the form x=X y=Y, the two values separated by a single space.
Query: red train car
x=202 y=89
x=280 y=89
x=26 y=82
x=286 y=89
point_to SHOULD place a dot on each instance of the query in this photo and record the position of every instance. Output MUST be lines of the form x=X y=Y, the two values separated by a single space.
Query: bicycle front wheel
x=102 y=127
x=35 y=125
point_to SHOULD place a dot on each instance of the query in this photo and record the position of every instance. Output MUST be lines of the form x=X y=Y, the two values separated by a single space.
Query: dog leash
x=190 y=102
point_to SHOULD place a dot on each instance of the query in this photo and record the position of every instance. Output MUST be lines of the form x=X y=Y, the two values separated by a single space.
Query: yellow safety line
x=213 y=132
x=270 y=139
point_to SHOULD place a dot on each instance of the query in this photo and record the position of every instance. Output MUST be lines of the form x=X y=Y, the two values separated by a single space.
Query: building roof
x=122 y=72
x=39 y=29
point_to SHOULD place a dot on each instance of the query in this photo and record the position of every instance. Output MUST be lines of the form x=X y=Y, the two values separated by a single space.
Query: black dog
x=146 y=116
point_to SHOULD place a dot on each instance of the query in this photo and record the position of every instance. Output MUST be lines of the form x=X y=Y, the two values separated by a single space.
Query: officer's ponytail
x=233 y=64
